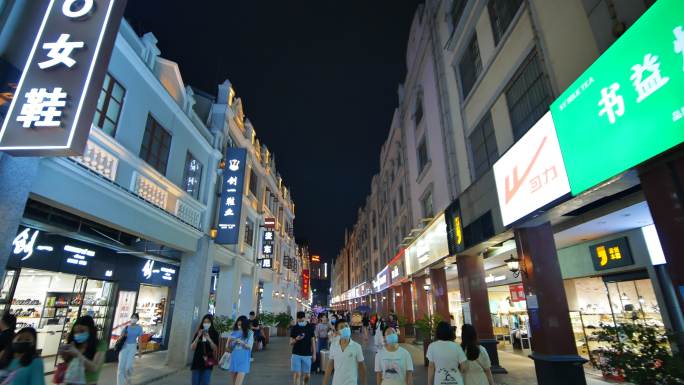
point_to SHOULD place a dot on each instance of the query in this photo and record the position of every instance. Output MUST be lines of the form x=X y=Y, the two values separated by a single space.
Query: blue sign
x=231 y=197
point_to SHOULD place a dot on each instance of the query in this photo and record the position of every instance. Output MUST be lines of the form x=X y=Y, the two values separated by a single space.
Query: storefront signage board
x=517 y=293
x=55 y=100
x=266 y=263
x=231 y=197
x=532 y=173
x=305 y=283
x=628 y=106
x=454 y=225
x=382 y=280
x=611 y=254
x=430 y=247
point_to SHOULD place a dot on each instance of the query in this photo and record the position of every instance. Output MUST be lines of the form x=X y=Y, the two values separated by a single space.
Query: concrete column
x=553 y=344
x=408 y=301
x=190 y=302
x=420 y=297
x=227 y=288
x=439 y=292
x=398 y=299
x=267 y=297
x=471 y=278
x=246 y=294
x=663 y=185
x=16 y=179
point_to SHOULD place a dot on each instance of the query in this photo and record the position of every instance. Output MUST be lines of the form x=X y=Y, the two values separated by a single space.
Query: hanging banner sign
x=54 y=103
x=231 y=197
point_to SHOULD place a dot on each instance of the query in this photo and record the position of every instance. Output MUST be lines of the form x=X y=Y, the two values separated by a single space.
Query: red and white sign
x=517 y=293
x=269 y=223
x=531 y=174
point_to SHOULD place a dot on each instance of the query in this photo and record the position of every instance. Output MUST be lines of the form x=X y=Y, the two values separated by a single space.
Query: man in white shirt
x=346 y=357
x=393 y=364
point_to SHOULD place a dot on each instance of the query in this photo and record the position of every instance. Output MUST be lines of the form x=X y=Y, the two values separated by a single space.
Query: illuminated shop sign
x=611 y=254
x=454 y=225
x=532 y=173
x=53 y=106
x=231 y=197
x=154 y=269
x=430 y=246
x=628 y=106
x=266 y=263
x=305 y=283
x=267 y=246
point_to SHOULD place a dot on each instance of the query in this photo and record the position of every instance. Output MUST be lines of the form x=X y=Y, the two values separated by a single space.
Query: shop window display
x=509 y=318
x=51 y=302
x=151 y=306
x=595 y=303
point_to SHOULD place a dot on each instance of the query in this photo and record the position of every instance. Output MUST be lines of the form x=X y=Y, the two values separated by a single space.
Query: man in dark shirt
x=303 y=341
x=255 y=325
x=7 y=325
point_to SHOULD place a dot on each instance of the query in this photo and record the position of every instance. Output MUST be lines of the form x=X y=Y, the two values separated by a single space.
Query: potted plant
x=638 y=354
x=267 y=321
x=426 y=328
x=282 y=321
x=404 y=325
x=223 y=325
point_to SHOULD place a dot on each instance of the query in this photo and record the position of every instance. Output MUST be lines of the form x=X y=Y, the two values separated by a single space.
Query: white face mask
x=134 y=321
x=206 y=326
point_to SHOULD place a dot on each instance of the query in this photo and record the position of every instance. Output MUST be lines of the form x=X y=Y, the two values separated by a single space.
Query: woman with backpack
x=477 y=368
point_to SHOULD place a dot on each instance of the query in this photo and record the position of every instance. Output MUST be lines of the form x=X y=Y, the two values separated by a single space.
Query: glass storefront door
x=152 y=306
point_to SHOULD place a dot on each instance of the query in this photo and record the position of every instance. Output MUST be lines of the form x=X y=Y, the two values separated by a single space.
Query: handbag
x=209 y=359
x=119 y=345
x=58 y=377
x=75 y=372
x=224 y=363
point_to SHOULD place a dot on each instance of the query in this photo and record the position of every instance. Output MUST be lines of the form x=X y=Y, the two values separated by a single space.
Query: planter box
x=282 y=331
x=266 y=332
x=402 y=334
x=426 y=343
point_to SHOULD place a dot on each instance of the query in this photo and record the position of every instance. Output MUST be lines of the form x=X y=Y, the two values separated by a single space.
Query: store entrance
x=51 y=302
x=152 y=306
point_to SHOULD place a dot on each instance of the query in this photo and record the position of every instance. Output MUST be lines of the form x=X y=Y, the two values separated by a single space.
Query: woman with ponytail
x=477 y=368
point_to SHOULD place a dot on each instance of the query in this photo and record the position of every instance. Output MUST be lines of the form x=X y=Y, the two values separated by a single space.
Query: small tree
x=427 y=326
x=638 y=353
x=223 y=324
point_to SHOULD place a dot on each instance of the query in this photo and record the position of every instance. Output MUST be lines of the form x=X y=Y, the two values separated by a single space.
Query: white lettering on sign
x=645 y=86
x=679 y=42
x=78 y=250
x=613 y=104
x=395 y=272
x=234 y=165
x=491 y=278
x=532 y=173
x=148 y=268
x=42 y=108
x=24 y=242
x=60 y=52
x=86 y=7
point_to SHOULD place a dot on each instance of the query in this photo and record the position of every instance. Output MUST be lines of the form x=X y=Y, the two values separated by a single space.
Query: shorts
x=301 y=364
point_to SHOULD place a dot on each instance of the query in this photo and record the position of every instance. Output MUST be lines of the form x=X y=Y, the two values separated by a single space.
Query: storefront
x=52 y=280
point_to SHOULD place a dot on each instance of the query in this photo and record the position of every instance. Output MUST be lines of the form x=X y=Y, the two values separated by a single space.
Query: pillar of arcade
x=553 y=344
x=474 y=296
x=439 y=292
x=407 y=300
x=421 y=297
x=663 y=184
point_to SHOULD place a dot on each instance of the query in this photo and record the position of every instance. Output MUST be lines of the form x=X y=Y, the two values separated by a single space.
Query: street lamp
x=513 y=265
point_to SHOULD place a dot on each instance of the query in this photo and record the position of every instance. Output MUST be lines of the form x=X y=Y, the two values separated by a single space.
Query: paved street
x=272 y=366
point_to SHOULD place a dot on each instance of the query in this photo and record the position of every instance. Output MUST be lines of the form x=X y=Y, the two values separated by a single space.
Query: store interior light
x=426 y=287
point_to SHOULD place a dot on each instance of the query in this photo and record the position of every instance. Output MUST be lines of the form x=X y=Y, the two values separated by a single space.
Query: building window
x=156 y=145
x=253 y=182
x=501 y=13
x=192 y=175
x=109 y=105
x=426 y=205
x=528 y=96
x=457 y=8
x=249 y=233
x=423 y=157
x=418 y=109
x=470 y=66
x=483 y=146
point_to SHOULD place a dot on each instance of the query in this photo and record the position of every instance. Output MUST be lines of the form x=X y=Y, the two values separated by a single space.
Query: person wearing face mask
x=321 y=329
x=84 y=347
x=20 y=363
x=127 y=354
x=204 y=348
x=346 y=359
x=333 y=335
x=393 y=364
x=240 y=344
x=303 y=342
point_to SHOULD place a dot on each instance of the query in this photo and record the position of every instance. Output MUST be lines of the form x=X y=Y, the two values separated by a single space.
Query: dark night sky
x=318 y=79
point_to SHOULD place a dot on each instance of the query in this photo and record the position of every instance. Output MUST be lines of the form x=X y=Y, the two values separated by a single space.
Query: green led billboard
x=629 y=105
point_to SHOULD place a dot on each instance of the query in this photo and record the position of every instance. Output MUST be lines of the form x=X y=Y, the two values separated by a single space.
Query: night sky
x=318 y=80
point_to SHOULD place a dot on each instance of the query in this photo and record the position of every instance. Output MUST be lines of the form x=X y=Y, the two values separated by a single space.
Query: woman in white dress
x=477 y=368
x=446 y=357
